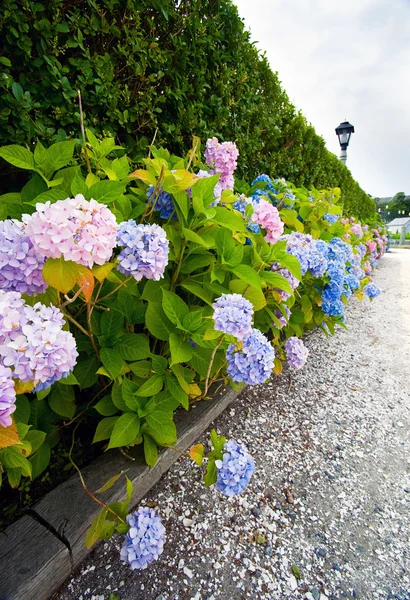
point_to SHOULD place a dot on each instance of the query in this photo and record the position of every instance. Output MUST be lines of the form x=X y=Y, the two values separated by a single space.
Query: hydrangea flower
x=163 y=204
x=7 y=396
x=241 y=204
x=372 y=290
x=39 y=350
x=357 y=230
x=11 y=315
x=331 y=218
x=235 y=469
x=283 y=320
x=20 y=265
x=267 y=216
x=276 y=267
x=296 y=352
x=145 y=250
x=253 y=363
x=76 y=229
x=233 y=315
x=145 y=539
x=221 y=158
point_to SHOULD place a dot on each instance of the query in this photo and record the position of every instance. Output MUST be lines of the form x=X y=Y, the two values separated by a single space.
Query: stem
x=97 y=500
x=193 y=152
x=80 y=327
x=155 y=194
x=210 y=365
x=179 y=264
x=114 y=291
x=91 y=335
x=152 y=143
x=70 y=300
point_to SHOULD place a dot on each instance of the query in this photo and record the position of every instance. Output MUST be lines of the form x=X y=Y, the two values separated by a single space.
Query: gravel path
x=327 y=512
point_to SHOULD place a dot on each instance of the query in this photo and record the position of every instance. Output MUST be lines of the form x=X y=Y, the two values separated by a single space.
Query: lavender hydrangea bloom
x=276 y=267
x=7 y=396
x=163 y=204
x=233 y=315
x=39 y=350
x=20 y=265
x=145 y=250
x=372 y=290
x=11 y=315
x=145 y=539
x=235 y=469
x=252 y=364
x=296 y=352
x=283 y=320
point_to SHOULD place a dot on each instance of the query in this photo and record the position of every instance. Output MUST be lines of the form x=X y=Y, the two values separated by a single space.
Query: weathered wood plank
x=33 y=561
x=70 y=510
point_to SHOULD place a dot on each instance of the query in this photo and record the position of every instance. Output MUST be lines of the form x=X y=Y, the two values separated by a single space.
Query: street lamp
x=343 y=132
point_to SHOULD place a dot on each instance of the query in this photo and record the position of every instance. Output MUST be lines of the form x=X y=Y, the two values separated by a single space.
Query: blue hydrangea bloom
x=164 y=203
x=235 y=469
x=372 y=290
x=252 y=364
x=261 y=179
x=333 y=308
x=253 y=227
x=352 y=281
x=331 y=218
x=145 y=250
x=241 y=204
x=233 y=315
x=145 y=539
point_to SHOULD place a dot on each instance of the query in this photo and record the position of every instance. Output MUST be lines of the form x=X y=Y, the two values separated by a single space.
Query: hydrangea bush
x=125 y=294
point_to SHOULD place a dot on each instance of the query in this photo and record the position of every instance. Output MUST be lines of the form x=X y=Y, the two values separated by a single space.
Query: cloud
x=345 y=60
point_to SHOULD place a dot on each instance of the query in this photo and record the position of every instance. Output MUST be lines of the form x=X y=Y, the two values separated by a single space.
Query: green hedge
x=185 y=67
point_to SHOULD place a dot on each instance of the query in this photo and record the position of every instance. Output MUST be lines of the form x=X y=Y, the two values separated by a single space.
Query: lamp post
x=343 y=132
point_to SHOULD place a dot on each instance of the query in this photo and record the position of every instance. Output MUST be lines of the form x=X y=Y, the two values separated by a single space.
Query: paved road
x=330 y=499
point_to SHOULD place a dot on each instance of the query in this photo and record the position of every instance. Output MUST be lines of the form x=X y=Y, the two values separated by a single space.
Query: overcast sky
x=350 y=60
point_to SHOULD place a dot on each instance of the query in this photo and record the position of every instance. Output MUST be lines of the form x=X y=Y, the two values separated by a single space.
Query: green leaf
x=18 y=156
x=211 y=474
x=292 y=264
x=125 y=430
x=162 y=427
x=106 y=406
x=201 y=360
x=61 y=274
x=128 y=389
x=106 y=191
x=182 y=201
x=17 y=90
x=60 y=154
x=197 y=453
x=225 y=244
x=108 y=484
x=181 y=351
x=111 y=323
x=193 y=237
x=248 y=275
x=277 y=281
x=157 y=322
x=40 y=460
x=12 y=458
x=174 y=307
x=159 y=364
x=193 y=321
x=78 y=186
x=177 y=392
x=250 y=292
x=104 y=429
x=5 y=61
x=151 y=387
x=35 y=439
x=96 y=528
x=69 y=380
x=22 y=412
x=117 y=398
x=203 y=192
x=153 y=290
x=199 y=291
x=133 y=346
x=62 y=400
x=86 y=371
x=112 y=361
x=196 y=261
x=150 y=451
x=228 y=219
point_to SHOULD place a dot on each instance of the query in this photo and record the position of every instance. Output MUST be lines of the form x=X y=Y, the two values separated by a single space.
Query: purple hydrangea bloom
x=145 y=539
x=7 y=396
x=163 y=204
x=296 y=352
x=233 y=315
x=145 y=250
x=372 y=290
x=331 y=218
x=20 y=265
x=222 y=157
x=276 y=267
x=39 y=350
x=253 y=363
x=235 y=469
x=283 y=320
x=11 y=316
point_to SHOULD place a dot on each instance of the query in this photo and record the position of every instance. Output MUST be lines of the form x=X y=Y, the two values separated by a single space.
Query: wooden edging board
x=40 y=550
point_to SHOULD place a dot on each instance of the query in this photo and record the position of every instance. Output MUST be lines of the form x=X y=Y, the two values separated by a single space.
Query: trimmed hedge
x=185 y=67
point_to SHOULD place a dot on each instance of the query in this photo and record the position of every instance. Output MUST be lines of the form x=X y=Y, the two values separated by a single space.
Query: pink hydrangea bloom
x=267 y=216
x=77 y=229
x=357 y=230
x=371 y=246
x=221 y=158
